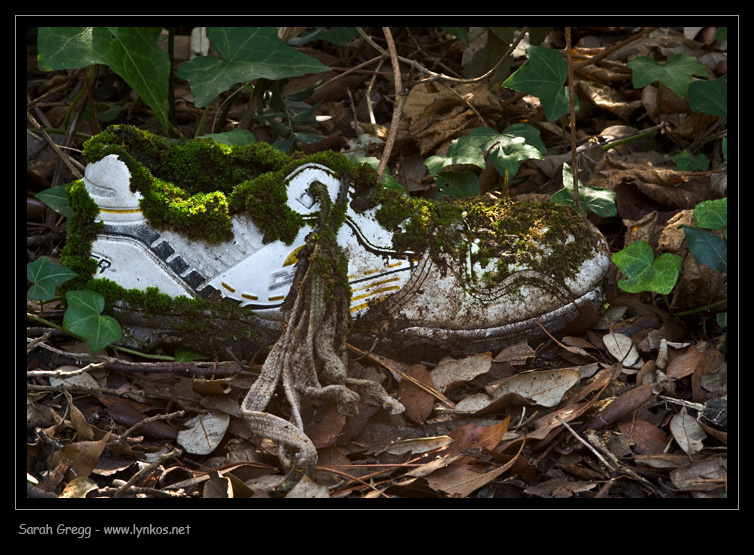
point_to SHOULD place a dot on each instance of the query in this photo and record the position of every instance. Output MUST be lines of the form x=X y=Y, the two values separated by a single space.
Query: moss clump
x=498 y=235
x=81 y=232
x=195 y=187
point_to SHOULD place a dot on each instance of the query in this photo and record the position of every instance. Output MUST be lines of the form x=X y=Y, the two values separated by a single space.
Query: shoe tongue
x=301 y=180
x=108 y=183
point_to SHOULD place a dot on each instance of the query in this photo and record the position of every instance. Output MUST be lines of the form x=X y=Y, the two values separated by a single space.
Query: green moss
x=499 y=235
x=81 y=232
x=195 y=187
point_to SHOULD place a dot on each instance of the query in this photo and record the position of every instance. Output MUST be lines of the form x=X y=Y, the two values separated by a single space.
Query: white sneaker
x=400 y=298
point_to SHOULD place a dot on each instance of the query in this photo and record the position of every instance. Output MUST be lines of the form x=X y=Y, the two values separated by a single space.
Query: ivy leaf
x=84 y=319
x=45 y=276
x=55 y=198
x=712 y=214
x=468 y=149
x=598 y=200
x=517 y=144
x=543 y=75
x=707 y=248
x=685 y=162
x=458 y=185
x=246 y=53
x=235 y=137
x=506 y=151
x=675 y=74
x=710 y=97
x=131 y=52
x=644 y=272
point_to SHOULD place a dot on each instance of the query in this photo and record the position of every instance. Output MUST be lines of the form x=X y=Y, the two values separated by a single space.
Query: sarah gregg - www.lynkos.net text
x=84 y=532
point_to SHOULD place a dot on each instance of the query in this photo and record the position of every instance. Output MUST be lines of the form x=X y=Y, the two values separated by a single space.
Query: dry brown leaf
x=684 y=363
x=453 y=373
x=82 y=455
x=559 y=488
x=464 y=477
x=418 y=403
x=624 y=405
x=515 y=354
x=704 y=475
x=647 y=439
x=687 y=432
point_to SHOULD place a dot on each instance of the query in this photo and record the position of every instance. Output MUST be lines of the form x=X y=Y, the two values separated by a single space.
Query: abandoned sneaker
x=208 y=221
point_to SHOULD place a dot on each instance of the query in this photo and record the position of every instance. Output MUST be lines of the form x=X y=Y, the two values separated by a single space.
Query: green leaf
x=722 y=319
x=710 y=97
x=675 y=74
x=83 y=318
x=685 y=162
x=246 y=53
x=644 y=273
x=458 y=185
x=236 y=137
x=707 y=248
x=506 y=151
x=45 y=276
x=468 y=149
x=55 y=198
x=517 y=144
x=182 y=355
x=712 y=214
x=131 y=52
x=597 y=200
x=543 y=75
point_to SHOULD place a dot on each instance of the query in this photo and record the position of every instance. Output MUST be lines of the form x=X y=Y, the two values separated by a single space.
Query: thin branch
x=572 y=124
x=400 y=99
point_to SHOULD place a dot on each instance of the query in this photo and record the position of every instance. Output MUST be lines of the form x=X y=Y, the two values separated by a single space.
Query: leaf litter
x=631 y=402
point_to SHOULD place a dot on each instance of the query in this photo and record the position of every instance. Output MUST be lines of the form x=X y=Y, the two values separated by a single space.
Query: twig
x=400 y=99
x=572 y=124
x=146 y=470
x=379 y=360
x=149 y=420
x=607 y=51
x=434 y=75
x=76 y=173
x=592 y=449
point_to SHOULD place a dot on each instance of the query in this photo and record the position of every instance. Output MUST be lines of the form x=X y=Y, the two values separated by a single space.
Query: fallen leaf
x=622 y=406
x=623 y=349
x=203 y=433
x=83 y=455
x=647 y=439
x=453 y=373
x=543 y=387
x=78 y=487
x=418 y=403
x=687 y=432
x=706 y=475
x=416 y=445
